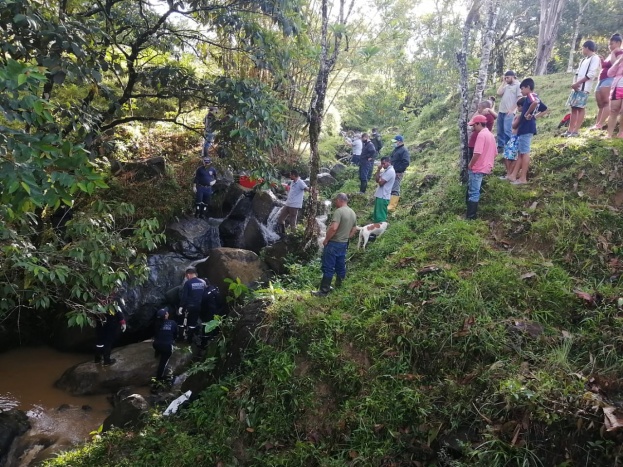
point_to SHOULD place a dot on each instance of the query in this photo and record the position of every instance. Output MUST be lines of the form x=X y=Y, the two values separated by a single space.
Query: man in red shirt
x=481 y=163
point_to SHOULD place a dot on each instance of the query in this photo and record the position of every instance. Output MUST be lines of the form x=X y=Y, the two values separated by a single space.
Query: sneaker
x=573 y=135
x=503 y=177
x=565 y=134
x=112 y=361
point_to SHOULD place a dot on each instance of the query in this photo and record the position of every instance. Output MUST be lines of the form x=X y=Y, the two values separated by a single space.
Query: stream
x=58 y=419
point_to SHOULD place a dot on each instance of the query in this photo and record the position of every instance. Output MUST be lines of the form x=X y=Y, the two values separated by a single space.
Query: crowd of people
x=520 y=107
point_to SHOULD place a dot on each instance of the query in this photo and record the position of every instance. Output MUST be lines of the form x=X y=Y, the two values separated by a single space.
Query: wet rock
x=263 y=204
x=231 y=197
x=324 y=170
x=130 y=412
x=192 y=238
x=13 y=423
x=166 y=271
x=231 y=233
x=135 y=366
x=62 y=408
x=140 y=170
x=253 y=237
x=337 y=169
x=326 y=180
x=233 y=263
x=275 y=256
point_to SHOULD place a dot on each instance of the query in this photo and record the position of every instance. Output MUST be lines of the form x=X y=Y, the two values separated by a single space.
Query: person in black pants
x=106 y=328
x=190 y=303
x=205 y=178
x=166 y=330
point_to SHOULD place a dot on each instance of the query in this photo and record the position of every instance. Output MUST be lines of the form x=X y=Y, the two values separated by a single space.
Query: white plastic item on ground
x=173 y=406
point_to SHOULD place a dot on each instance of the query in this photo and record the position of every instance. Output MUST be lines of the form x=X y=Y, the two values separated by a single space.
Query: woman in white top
x=582 y=85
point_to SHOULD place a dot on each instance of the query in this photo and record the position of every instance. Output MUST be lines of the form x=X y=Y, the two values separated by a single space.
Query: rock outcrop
x=135 y=366
x=13 y=423
x=233 y=263
x=128 y=413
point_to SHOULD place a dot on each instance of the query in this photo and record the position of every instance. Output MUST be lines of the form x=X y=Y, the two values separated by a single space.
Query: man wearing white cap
x=481 y=163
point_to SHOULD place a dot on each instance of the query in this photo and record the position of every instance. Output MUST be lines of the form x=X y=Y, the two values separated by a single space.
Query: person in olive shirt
x=342 y=227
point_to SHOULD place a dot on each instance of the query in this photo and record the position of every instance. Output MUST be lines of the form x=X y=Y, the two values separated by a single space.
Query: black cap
x=191 y=270
x=509 y=73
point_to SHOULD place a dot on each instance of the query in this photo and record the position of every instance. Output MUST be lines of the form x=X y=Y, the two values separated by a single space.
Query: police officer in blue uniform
x=190 y=303
x=166 y=330
x=205 y=178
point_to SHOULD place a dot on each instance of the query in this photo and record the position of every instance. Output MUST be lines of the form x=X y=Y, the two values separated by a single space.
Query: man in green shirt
x=342 y=227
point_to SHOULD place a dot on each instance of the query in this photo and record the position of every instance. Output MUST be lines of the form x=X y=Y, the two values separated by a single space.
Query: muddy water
x=27 y=377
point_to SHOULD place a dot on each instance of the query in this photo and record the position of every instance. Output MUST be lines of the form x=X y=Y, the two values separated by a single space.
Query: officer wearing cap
x=164 y=337
x=205 y=178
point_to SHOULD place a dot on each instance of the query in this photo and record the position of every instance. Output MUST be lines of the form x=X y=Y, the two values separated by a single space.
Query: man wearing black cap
x=509 y=90
x=400 y=160
x=205 y=178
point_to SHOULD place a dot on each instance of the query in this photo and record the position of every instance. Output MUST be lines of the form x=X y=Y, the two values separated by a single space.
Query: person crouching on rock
x=166 y=331
x=205 y=178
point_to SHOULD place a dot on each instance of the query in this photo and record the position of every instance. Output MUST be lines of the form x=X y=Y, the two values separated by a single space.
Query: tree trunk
x=493 y=8
x=316 y=112
x=551 y=12
x=576 y=33
x=461 y=58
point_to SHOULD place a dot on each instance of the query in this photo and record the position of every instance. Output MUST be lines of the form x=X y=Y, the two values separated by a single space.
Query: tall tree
x=326 y=62
x=461 y=58
x=493 y=8
x=582 y=4
x=551 y=12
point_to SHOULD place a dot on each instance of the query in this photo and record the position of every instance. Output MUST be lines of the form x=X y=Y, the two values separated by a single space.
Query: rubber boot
x=338 y=282
x=363 y=186
x=204 y=212
x=197 y=210
x=325 y=287
x=393 y=202
x=472 y=210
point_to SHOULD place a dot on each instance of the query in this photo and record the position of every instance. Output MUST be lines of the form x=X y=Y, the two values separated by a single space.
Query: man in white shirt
x=509 y=92
x=383 y=193
x=581 y=87
x=293 y=204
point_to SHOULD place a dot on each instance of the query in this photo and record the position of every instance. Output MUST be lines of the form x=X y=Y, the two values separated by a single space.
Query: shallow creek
x=27 y=377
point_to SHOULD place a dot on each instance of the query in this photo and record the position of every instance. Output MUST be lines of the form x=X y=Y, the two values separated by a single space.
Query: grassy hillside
x=490 y=343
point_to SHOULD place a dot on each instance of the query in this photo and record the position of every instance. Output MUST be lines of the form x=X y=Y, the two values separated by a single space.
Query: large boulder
x=326 y=180
x=233 y=263
x=254 y=236
x=231 y=233
x=13 y=423
x=232 y=195
x=337 y=170
x=263 y=204
x=192 y=237
x=275 y=256
x=130 y=412
x=165 y=272
x=140 y=171
x=135 y=366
